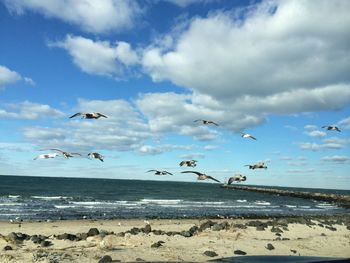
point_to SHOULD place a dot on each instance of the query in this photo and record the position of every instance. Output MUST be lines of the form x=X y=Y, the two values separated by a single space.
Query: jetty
x=341 y=200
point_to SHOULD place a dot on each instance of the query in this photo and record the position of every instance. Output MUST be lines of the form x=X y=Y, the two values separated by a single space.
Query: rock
x=186 y=234
x=321 y=225
x=120 y=234
x=139 y=259
x=269 y=246
x=45 y=243
x=323 y=234
x=105 y=259
x=257 y=223
x=158 y=232
x=285 y=228
x=260 y=228
x=67 y=236
x=93 y=232
x=285 y=238
x=282 y=222
x=193 y=230
x=157 y=244
x=209 y=253
x=147 y=229
x=331 y=228
x=217 y=227
x=7 y=248
x=239 y=252
x=278 y=234
x=134 y=231
x=293 y=251
x=276 y=230
x=81 y=236
x=109 y=242
x=206 y=225
x=12 y=237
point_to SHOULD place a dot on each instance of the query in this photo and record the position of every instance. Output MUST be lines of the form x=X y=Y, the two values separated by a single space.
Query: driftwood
x=341 y=200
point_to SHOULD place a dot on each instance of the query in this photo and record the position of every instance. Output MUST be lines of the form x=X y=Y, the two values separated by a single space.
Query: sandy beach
x=191 y=240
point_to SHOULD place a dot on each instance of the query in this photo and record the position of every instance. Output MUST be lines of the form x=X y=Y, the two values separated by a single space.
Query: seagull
x=259 y=165
x=188 y=163
x=95 y=156
x=46 y=156
x=157 y=172
x=236 y=178
x=89 y=115
x=246 y=135
x=202 y=176
x=207 y=122
x=332 y=128
x=65 y=154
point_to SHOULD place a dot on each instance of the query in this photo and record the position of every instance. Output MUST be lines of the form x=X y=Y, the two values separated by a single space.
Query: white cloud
x=43 y=134
x=191 y=156
x=310 y=127
x=316 y=133
x=345 y=123
x=297 y=163
x=154 y=150
x=309 y=170
x=218 y=55
x=185 y=3
x=98 y=57
x=29 y=111
x=8 y=76
x=336 y=159
x=210 y=147
x=318 y=147
x=90 y=15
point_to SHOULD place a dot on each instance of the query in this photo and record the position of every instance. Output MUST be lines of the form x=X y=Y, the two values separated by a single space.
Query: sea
x=43 y=198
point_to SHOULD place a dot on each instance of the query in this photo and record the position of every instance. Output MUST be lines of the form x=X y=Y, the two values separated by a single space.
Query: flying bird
x=206 y=122
x=202 y=176
x=95 y=156
x=89 y=115
x=332 y=128
x=237 y=178
x=46 y=156
x=260 y=165
x=247 y=135
x=157 y=172
x=188 y=163
x=65 y=154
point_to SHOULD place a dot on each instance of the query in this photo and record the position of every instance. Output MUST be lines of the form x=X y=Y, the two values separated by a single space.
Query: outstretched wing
x=182 y=163
x=167 y=172
x=252 y=137
x=325 y=126
x=58 y=150
x=231 y=180
x=197 y=173
x=197 y=120
x=75 y=115
x=101 y=115
x=214 y=123
x=75 y=154
x=151 y=171
x=212 y=178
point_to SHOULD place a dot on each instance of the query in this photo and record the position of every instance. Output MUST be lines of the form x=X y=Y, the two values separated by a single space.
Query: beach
x=193 y=240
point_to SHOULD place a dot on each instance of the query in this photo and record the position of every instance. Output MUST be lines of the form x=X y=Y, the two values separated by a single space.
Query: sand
x=296 y=239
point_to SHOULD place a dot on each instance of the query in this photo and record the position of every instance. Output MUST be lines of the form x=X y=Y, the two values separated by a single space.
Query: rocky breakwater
x=341 y=200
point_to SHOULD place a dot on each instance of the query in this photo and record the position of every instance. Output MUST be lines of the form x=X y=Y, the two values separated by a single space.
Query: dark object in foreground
x=281 y=259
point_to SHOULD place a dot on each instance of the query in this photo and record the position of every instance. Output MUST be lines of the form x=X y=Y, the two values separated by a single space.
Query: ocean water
x=75 y=198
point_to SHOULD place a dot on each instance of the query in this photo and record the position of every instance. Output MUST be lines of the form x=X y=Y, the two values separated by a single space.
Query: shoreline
x=194 y=240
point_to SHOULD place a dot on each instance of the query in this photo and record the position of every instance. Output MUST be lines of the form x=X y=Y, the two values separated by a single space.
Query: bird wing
x=325 y=126
x=151 y=171
x=214 y=123
x=212 y=178
x=75 y=115
x=75 y=154
x=252 y=137
x=167 y=172
x=56 y=150
x=197 y=120
x=100 y=114
x=230 y=180
x=182 y=163
x=197 y=173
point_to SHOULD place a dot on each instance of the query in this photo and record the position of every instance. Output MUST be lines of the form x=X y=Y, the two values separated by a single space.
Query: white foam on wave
x=241 y=201
x=8 y=204
x=160 y=201
x=14 y=196
x=291 y=206
x=262 y=203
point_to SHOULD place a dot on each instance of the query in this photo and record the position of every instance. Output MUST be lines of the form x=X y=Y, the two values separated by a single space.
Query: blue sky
x=278 y=70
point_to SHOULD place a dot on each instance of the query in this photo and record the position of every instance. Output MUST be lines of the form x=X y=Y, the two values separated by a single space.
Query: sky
x=278 y=70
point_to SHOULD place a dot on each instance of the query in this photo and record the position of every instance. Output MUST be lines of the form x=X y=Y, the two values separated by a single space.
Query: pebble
x=93 y=232
x=239 y=252
x=269 y=246
x=7 y=248
x=209 y=253
x=105 y=259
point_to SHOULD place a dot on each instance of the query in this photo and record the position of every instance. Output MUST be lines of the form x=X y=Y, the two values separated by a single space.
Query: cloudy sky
x=278 y=70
